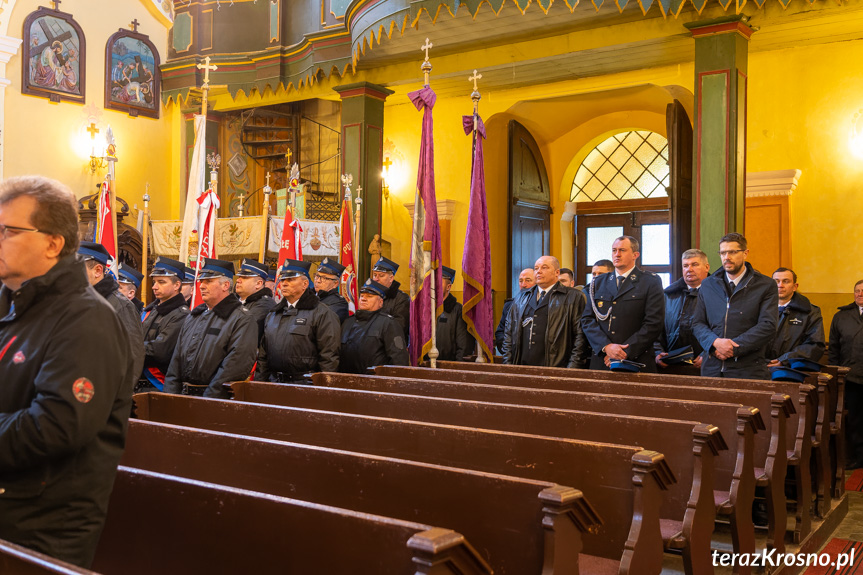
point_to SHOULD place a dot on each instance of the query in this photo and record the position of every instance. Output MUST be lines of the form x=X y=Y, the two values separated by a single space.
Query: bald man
x=526 y=280
x=543 y=326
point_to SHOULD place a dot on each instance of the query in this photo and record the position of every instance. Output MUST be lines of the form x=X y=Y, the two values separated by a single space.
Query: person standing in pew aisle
x=543 y=326
x=397 y=302
x=65 y=368
x=254 y=296
x=526 y=280
x=218 y=341
x=301 y=334
x=736 y=316
x=371 y=337
x=846 y=349
x=801 y=329
x=327 y=279
x=681 y=297
x=454 y=343
x=162 y=321
x=625 y=310
x=130 y=284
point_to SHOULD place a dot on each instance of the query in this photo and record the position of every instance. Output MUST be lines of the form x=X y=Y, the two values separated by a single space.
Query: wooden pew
x=625 y=483
x=800 y=453
x=837 y=430
x=17 y=560
x=735 y=475
x=690 y=447
x=537 y=529
x=171 y=525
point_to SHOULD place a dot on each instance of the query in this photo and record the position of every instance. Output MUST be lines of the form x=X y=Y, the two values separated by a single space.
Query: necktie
x=541 y=296
x=619 y=281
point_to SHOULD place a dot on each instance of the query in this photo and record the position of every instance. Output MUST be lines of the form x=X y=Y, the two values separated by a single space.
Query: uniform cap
x=333 y=267
x=94 y=251
x=214 y=268
x=448 y=273
x=386 y=265
x=373 y=288
x=129 y=275
x=189 y=275
x=802 y=364
x=782 y=373
x=294 y=269
x=167 y=267
x=251 y=268
x=626 y=365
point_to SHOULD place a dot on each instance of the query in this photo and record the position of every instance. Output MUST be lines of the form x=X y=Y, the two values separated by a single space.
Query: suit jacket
x=800 y=332
x=636 y=316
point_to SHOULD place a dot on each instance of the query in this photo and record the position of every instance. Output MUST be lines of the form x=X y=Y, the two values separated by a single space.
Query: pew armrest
x=445 y=552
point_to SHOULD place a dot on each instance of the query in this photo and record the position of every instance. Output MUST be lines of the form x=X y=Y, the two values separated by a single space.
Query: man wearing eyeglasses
x=65 y=368
x=736 y=315
x=327 y=280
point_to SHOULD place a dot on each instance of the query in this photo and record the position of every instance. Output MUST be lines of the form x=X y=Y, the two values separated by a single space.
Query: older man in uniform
x=218 y=341
x=163 y=319
x=96 y=259
x=846 y=349
x=253 y=294
x=681 y=298
x=544 y=327
x=371 y=337
x=453 y=340
x=800 y=333
x=301 y=334
x=526 y=280
x=65 y=373
x=396 y=303
x=130 y=284
x=736 y=316
x=625 y=310
x=327 y=280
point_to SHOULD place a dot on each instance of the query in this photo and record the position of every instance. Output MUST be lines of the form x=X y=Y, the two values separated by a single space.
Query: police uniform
x=133 y=277
x=162 y=323
x=123 y=307
x=189 y=279
x=453 y=340
x=299 y=338
x=631 y=314
x=371 y=338
x=800 y=332
x=333 y=298
x=260 y=303
x=215 y=346
x=396 y=302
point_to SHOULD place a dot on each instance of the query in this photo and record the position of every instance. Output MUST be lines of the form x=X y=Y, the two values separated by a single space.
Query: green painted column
x=719 y=146
x=362 y=156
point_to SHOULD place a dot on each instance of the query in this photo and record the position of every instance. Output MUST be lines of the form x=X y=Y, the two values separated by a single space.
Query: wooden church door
x=530 y=206
x=680 y=185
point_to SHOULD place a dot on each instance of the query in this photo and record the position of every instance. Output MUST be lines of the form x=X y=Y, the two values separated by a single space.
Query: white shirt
x=736 y=281
x=623 y=275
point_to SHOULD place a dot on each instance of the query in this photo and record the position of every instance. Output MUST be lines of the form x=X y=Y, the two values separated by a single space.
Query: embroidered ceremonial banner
x=348 y=285
x=105 y=226
x=233 y=237
x=318 y=238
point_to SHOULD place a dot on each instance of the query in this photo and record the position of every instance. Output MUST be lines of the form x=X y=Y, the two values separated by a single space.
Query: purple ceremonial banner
x=477 y=309
x=425 y=245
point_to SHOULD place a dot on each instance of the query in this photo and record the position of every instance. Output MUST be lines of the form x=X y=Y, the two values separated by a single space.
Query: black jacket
x=846 y=341
x=334 y=300
x=453 y=340
x=371 y=338
x=680 y=302
x=297 y=341
x=800 y=332
x=215 y=346
x=129 y=316
x=501 y=326
x=564 y=339
x=139 y=305
x=636 y=315
x=398 y=304
x=748 y=316
x=259 y=304
x=64 y=364
x=162 y=324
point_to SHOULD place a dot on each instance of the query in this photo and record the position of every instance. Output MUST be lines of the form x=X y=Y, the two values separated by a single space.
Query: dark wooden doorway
x=530 y=205
x=680 y=188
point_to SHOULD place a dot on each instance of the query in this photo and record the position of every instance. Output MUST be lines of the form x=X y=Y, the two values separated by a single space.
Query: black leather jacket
x=371 y=338
x=109 y=289
x=334 y=300
x=398 y=304
x=162 y=324
x=259 y=305
x=846 y=341
x=453 y=341
x=800 y=332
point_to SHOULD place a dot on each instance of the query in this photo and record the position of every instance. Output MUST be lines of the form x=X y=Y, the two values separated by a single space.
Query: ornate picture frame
x=54 y=59
x=132 y=76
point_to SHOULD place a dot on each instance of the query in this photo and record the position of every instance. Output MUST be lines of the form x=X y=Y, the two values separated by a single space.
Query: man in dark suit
x=681 y=298
x=846 y=349
x=625 y=310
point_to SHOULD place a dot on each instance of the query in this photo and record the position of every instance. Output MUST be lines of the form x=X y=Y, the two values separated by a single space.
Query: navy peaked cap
x=373 y=287
x=448 y=273
x=167 y=267
x=295 y=268
x=386 y=265
x=94 y=251
x=129 y=275
x=214 y=268
x=329 y=266
x=252 y=268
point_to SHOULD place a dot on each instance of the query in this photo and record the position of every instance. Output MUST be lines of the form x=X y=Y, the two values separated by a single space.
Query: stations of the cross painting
x=50 y=37
x=134 y=25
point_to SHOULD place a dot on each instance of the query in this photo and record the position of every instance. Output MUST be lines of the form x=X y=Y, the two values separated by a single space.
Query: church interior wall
x=51 y=139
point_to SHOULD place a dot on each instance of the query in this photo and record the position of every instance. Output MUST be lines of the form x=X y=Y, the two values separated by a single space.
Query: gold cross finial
x=268 y=179
x=93 y=130
x=474 y=78
x=206 y=67
x=426 y=47
x=288 y=155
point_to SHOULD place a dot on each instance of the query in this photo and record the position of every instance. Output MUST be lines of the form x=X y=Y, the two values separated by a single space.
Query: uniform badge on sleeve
x=599 y=303
x=18 y=357
x=83 y=389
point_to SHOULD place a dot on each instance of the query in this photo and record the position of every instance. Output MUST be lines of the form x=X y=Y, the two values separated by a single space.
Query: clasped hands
x=724 y=348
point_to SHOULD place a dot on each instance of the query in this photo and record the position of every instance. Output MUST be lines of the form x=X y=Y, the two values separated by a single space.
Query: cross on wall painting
x=132 y=76
x=54 y=56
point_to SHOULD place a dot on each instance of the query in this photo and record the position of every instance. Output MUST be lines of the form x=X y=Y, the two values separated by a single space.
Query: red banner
x=291 y=246
x=105 y=225
x=346 y=258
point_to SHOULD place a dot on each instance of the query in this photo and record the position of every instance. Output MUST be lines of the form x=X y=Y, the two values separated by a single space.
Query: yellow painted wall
x=50 y=139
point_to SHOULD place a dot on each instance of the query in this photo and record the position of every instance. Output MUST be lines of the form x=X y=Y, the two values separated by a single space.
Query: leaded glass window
x=626 y=166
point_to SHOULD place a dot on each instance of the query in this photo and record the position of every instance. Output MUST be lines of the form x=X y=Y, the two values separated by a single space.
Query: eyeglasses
x=319 y=277
x=730 y=253
x=4 y=231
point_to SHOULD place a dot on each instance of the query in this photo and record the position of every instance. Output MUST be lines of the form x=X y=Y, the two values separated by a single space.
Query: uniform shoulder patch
x=399 y=342
x=83 y=390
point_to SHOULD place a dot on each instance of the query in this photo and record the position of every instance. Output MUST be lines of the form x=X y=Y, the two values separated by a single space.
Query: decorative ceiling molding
x=774 y=183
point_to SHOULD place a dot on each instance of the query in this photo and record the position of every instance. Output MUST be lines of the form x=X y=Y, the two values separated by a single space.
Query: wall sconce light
x=99 y=162
x=385 y=187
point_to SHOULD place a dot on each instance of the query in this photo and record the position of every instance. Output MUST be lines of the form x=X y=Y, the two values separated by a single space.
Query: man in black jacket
x=163 y=320
x=218 y=341
x=801 y=329
x=255 y=297
x=96 y=260
x=187 y=287
x=543 y=327
x=681 y=297
x=846 y=349
x=327 y=279
x=526 y=280
x=130 y=284
x=453 y=340
x=736 y=316
x=65 y=370
x=301 y=334
x=625 y=310
x=397 y=303
x=371 y=337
